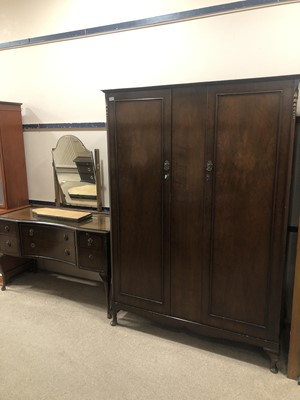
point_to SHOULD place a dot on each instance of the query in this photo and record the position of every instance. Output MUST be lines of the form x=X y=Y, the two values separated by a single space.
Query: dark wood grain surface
x=202 y=245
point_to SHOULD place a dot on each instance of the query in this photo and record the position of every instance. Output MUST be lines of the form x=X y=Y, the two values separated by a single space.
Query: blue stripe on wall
x=146 y=22
x=67 y=125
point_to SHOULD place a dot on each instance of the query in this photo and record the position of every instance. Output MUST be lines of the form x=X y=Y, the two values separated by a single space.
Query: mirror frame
x=60 y=199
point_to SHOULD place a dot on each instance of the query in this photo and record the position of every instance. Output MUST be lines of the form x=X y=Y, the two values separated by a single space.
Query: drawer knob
x=6 y=228
x=67 y=252
x=31 y=232
x=32 y=245
x=66 y=237
x=90 y=241
x=8 y=243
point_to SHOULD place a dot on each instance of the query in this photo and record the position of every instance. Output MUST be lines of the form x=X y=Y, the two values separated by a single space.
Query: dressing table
x=25 y=237
x=73 y=232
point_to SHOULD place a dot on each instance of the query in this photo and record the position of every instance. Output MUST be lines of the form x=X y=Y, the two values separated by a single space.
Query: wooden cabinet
x=293 y=371
x=13 y=178
x=199 y=178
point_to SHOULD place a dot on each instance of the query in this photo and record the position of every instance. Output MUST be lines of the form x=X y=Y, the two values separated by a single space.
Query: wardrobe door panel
x=246 y=199
x=188 y=145
x=139 y=136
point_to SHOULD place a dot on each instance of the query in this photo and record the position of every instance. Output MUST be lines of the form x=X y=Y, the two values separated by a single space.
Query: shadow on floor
x=92 y=294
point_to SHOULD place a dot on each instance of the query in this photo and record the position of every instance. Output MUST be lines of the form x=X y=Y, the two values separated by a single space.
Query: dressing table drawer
x=92 y=251
x=8 y=228
x=48 y=242
x=90 y=240
x=9 y=245
x=9 y=238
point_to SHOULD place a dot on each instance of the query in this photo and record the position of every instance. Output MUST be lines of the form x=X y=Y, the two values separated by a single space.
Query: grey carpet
x=56 y=343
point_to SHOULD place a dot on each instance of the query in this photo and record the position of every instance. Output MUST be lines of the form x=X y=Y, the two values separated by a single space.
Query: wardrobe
x=199 y=188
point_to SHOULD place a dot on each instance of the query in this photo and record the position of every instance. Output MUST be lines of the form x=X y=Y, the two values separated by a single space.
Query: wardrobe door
x=140 y=157
x=188 y=177
x=249 y=153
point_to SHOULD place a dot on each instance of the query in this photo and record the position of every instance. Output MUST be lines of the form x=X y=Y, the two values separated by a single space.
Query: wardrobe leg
x=274 y=358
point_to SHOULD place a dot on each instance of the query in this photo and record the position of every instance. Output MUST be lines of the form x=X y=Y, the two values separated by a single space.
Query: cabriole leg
x=114 y=321
x=106 y=281
x=274 y=358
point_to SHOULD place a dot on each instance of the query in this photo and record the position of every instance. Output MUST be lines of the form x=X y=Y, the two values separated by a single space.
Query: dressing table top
x=98 y=222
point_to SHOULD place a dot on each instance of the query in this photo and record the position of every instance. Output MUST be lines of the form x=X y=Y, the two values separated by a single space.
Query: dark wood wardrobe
x=199 y=186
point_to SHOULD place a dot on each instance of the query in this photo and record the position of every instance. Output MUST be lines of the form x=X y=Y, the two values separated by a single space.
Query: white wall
x=62 y=82
x=20 y=19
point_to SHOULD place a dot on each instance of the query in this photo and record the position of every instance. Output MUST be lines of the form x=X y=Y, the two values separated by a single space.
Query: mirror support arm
x=98 y=179
x=56 y=188
x=59 y=196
